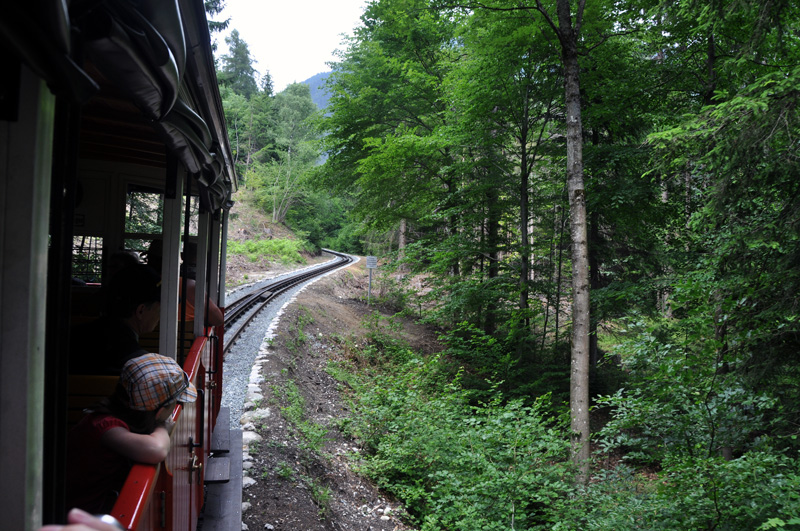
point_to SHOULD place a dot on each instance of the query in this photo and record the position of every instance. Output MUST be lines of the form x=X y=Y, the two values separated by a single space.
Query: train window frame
x=139 y=240
x=87 y=262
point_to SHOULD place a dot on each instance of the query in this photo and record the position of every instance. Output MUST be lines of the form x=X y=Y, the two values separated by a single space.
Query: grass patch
x=283 y=251
x=284 y=471
x=311 y=433
x=303 y=318
x=321 y=494
x=342 y=372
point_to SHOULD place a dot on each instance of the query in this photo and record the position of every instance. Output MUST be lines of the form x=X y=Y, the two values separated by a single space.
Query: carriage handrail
x=136 y=494
x=134 y=498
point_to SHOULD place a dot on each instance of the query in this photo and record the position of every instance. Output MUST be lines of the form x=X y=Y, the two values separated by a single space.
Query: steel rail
x=246 y=308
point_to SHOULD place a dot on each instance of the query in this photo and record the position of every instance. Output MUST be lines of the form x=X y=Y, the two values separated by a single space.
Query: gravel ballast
x=238 y=367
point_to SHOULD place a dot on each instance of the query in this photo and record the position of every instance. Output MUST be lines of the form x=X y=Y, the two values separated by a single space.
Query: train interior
x=112 y=137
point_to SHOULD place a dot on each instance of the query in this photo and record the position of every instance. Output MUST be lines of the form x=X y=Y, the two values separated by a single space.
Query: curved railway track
x=238 y=314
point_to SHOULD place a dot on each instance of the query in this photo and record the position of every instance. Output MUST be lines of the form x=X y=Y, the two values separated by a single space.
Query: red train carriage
x=112 y=135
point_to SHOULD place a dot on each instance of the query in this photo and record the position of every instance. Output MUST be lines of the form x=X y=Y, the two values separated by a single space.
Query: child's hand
x=169 y=425
x=81 y=521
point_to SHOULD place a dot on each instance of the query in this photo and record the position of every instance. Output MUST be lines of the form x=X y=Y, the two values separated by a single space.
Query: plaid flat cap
x=152 y=380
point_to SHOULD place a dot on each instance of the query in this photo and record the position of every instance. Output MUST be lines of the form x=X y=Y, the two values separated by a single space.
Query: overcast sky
x=293 y=39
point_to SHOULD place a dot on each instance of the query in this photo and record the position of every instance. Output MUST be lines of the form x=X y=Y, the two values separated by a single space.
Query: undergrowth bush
x=496 y=465
x=682 y=401
x=684 y=407
x=756 y=491
x=522 y=375
x=462 y=458
x=279 y=250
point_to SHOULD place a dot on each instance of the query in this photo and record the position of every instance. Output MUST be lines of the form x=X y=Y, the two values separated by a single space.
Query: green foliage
x=755 y=491
x=281 y=250
x=299 y=335
x=456 y=466
x=237 y=69
x=215 y=7
x=455 y=463
x=347 y=239
x=484 y=354
x=273 y=142
x=449 y=125
x=685 y=402
x=321 y=494
x=281 y=149
x=312 y=435
x=321 y=216
x=284 y=471
x=144 y=212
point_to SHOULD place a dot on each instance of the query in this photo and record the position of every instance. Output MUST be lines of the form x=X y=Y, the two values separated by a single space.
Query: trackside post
x=372 y=263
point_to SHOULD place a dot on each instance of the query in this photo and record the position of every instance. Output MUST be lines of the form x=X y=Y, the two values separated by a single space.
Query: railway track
x=238 y=314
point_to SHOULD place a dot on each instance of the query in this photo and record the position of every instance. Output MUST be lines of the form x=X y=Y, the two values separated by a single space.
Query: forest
x=597 y=204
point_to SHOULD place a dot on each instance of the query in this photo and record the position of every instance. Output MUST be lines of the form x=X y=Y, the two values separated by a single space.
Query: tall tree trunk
x=594 y=283
x=401 y=237
x=579 y=377
x=525 y=252
x=559 y=270
x=401 y=243
x=664 y=293
x=551 y=261
x=492 y=244
x=455 y=265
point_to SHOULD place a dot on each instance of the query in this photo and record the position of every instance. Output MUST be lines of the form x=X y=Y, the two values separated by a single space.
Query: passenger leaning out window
x=133 y=425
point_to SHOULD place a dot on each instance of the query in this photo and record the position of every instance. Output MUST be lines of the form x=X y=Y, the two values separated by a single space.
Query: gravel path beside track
x=239 y=361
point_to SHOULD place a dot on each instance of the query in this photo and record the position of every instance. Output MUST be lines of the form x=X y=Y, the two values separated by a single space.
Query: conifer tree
x=237 y=67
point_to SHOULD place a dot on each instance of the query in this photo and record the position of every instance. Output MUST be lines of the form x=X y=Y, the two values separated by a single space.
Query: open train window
x=87 y=258
x=144 y=217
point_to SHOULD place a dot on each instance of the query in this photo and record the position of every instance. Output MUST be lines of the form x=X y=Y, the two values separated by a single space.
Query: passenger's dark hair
x=131 y=286
x=119 y=261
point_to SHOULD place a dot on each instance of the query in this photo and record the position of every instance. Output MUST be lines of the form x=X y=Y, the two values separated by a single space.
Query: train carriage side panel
x=170 y=496
x=69 y=111
x=25 y=168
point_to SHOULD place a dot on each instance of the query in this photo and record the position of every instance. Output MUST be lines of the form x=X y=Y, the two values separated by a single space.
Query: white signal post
x=372 y=263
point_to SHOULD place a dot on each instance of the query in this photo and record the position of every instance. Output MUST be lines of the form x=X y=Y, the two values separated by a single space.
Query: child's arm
x=140 y=447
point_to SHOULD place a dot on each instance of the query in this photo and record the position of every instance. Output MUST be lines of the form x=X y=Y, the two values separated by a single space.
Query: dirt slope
x=248 y=222
x=295 y=485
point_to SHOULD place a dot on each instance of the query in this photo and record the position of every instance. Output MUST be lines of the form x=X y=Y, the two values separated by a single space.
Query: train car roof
x=144 y=75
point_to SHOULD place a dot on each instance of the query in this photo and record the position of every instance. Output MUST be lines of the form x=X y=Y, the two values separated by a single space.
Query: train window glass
x=87 y=258
x=144 y=211
x=144 y=217
x=194 y=211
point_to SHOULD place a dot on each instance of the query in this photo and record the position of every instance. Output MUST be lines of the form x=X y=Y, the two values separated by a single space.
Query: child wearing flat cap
x=130 y=426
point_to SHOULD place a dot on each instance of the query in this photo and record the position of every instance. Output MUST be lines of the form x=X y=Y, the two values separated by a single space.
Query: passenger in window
x=133 y=308
x=119 y=261
x=131 y=426
x=154 y=256
x=214 y=315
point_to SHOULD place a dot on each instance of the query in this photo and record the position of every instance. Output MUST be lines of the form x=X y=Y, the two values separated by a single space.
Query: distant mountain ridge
x=318 y=93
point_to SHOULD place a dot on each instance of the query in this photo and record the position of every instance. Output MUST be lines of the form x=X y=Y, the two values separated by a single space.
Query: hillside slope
x=318 y=93
x=247 y=222
x=301 y=469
